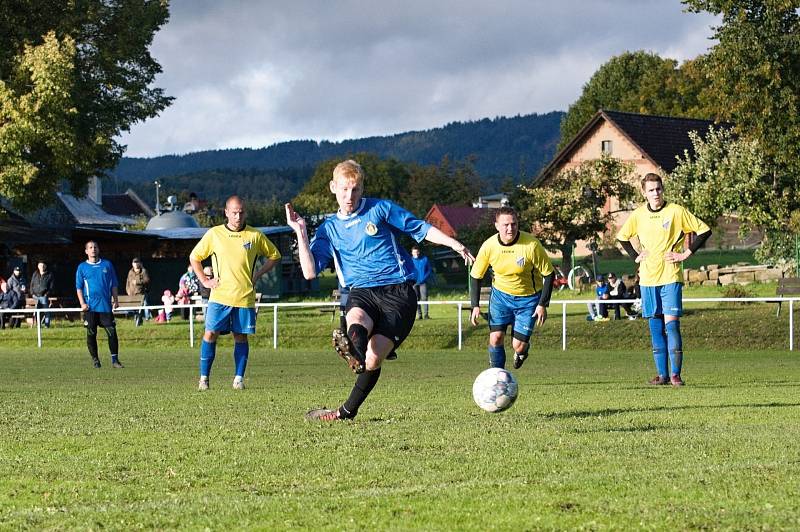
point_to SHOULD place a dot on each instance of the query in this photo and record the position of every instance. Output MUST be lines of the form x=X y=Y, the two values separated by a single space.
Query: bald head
x=234 y=213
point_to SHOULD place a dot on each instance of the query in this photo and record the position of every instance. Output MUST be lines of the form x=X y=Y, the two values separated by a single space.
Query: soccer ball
x=495 y=390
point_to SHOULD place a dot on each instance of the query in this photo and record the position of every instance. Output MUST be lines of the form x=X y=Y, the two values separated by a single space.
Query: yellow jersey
x=659 y=232
x=233 y=257
x=518 y=266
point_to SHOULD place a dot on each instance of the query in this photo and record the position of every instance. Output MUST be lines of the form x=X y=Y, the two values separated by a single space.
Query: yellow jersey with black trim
x=660 y=232
x=518 y=266
x=233 y=257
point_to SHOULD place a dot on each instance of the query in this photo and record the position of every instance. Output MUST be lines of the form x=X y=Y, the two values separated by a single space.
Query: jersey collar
x=510 y=243
x=647 y=203
x=354 y=213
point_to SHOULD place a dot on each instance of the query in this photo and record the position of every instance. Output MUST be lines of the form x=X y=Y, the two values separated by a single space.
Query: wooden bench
x=787 y=286
x=30 y=304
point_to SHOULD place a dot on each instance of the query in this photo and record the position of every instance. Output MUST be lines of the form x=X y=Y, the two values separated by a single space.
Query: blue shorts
x=664 y=300
x=224 y=319
x=505 y=310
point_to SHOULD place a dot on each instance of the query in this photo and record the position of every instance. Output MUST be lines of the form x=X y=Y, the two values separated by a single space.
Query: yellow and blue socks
x=658 y=338
x=675 y=345
x=497 y=356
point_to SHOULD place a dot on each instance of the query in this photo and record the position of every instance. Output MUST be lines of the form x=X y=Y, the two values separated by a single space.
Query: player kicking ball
x=362 y=240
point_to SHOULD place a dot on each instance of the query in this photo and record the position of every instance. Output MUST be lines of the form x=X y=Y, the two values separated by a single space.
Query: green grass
x=587 y=445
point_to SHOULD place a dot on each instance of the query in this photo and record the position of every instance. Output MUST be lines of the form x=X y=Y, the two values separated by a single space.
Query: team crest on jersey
x=247 y=245
x=371 y=229
x=665 y=225
x=521 y=262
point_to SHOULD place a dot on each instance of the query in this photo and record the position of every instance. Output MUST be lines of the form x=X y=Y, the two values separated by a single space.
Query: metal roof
x=87 y=212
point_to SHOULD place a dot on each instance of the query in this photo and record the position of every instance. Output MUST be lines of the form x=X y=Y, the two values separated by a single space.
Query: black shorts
x=392 y=308
x=92 y=319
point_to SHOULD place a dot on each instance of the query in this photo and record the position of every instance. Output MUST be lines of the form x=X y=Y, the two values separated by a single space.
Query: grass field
x=588 y=445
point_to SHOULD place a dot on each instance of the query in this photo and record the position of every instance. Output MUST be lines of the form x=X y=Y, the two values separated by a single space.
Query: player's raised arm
x=298 y=224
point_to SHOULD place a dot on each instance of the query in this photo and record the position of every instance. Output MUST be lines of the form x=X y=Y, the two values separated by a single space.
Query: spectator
x=42 y=285
x=138 y=284
x=188 y=286
x=599 y=311
x=9 y=299
x=18 y=283
x=423 y=269
x=205 y=292
x=168 y=300
x=618 y=290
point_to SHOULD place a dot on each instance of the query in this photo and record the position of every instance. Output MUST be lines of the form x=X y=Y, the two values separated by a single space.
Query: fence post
x=791 y=325
x=191 y=325
x=275 y=326
x=563 y=326
x=459 y=325
x=39 y=328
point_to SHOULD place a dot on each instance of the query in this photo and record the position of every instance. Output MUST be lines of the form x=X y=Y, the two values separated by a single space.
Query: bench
x=787 y=286
x=30 y=304
x=336 y=297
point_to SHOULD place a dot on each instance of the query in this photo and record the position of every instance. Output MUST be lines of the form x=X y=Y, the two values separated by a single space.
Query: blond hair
x=349 y=171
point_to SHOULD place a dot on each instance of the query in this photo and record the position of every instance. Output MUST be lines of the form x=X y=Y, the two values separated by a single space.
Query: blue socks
x=658 y=338
x=207 y=353
x=240 y=354
x=675 y=344
x=497 y=356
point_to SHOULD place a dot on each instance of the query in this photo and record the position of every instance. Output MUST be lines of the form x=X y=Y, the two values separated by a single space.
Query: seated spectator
x=188 y=286
x=599 y=311
x=168 y=300
x=9 y=299
x=617 y=290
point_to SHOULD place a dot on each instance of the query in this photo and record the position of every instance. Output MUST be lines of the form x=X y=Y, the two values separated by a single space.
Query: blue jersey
x=363 y=245
x=96 y=281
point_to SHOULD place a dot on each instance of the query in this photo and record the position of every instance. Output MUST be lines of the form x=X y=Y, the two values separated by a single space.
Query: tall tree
x=447 y=183
x=639 y=82
x=386 y=178
x=754 y=71
x=73 y=76
x=576 y=204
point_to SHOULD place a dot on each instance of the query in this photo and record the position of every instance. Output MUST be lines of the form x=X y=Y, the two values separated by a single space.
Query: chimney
x=95 y=192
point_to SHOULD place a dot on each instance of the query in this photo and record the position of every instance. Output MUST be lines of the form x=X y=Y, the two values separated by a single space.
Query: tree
x=639 y=82
x=573 y=205
x=754 y=73
x=386 y=178
x=447 y=183
x=73 y=76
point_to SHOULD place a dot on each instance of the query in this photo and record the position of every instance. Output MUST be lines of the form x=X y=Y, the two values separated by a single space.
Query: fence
x=193 y=308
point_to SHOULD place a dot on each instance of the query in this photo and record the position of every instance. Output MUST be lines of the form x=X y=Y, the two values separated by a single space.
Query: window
x=605 y=147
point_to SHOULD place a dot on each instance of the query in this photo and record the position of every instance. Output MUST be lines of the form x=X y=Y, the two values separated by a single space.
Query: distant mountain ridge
x=516 y=147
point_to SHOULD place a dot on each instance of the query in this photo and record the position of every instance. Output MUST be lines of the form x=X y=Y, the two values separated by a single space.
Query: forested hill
x=516 y=147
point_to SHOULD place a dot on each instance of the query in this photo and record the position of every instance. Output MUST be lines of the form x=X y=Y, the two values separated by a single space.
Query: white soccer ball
x=495 y=390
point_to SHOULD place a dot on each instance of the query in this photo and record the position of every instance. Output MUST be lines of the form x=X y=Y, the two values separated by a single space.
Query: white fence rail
x=193 y=308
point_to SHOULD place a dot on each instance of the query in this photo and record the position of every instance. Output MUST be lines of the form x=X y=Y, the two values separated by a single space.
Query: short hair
x=653 y=178
x=505 y=209
x=349 y=170
x=415 y=247
x=233 y=198
x=86 y=245
x=137 y=259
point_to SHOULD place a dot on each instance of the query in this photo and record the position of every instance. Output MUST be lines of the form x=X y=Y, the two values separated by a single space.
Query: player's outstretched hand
x=462 y=250
x=473 y=318
x=540 y=314
x=294 y=220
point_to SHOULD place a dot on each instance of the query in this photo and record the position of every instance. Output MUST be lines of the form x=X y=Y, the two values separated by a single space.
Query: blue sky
x=250 y=73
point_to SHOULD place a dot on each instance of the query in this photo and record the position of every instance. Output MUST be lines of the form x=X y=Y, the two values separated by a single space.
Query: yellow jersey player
x=234 y=248
x=661 y=228
x=523 y=282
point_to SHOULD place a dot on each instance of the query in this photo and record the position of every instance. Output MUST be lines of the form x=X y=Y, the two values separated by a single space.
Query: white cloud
x=251 y=73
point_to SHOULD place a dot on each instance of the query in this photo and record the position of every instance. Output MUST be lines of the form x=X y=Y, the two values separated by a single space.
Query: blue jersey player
x=98 y=295
x=361 y=240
